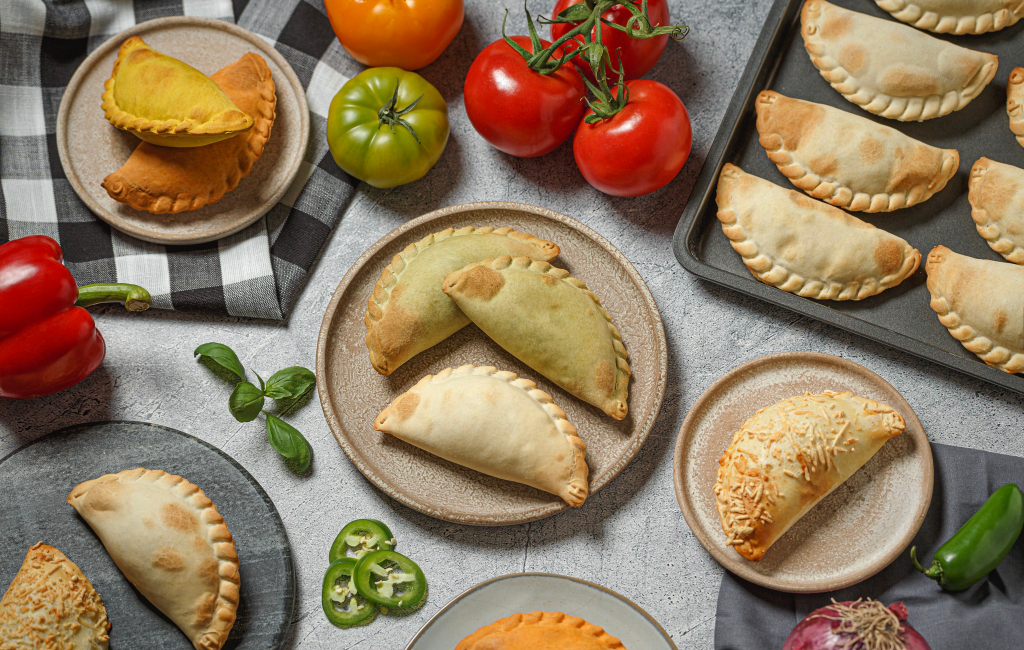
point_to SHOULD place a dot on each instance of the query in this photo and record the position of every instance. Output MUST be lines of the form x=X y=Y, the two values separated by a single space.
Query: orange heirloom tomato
x=407 y=34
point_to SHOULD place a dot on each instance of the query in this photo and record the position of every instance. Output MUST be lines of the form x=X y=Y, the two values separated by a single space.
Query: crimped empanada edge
x=913 y=14
x=1015 y=102
x=380 y=296
x=542 y=618
x=992 y=230
x=904 y=109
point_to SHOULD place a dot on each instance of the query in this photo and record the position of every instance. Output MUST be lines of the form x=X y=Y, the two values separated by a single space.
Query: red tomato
x=519 y=111
x=638 y=54
x=641 y=148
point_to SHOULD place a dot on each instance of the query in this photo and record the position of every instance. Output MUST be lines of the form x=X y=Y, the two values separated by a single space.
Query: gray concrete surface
x=630 y=536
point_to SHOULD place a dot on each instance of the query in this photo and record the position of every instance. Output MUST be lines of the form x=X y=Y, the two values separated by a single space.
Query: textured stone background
x=630 y=536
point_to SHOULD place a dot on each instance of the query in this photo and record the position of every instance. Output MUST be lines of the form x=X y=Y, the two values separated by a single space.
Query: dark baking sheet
x=38 y=477
x=899 y=317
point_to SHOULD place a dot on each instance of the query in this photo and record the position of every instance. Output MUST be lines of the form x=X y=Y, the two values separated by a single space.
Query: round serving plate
x=854 y=532
x=352 y=393
x=530 y=592
x=40 y=475
x=90 y=148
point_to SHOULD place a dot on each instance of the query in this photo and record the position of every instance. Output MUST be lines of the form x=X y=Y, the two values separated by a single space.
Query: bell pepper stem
x=134 y=297
x=934 y=571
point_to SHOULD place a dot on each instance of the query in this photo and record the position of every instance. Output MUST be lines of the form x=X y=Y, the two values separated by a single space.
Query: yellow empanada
x=540 y=631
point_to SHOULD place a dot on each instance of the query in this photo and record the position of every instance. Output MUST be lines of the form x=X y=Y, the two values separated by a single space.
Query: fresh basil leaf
x=290 y=383
x=223 y=356
x=288 y=442
x=246 y=402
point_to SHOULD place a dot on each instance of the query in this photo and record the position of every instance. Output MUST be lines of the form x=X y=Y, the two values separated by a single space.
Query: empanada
x=163 y=179
x=51 y=605
x=890 y=69
x=1015 y=102
x=168 y=539
x=805 y=246
x=408 y=313
x=789 y=456
x=540 y=631
x=496 y=423
x=956 y=16
x=848 y=160
x=166 y=101
x=997 y=202
x=550 y=321
x=981 y=303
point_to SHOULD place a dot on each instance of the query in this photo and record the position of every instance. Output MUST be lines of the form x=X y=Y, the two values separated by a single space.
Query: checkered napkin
x=258 y=272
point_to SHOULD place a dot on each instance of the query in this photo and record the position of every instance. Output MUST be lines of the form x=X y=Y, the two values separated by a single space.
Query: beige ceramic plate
x=850 y=535
x=90 y=148
x=352 y=393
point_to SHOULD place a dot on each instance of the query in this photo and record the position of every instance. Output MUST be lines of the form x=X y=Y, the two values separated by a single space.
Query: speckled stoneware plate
x=90 y=148
x=854 y=532
x=352 y=393
x=530 y=592
x=39 y=476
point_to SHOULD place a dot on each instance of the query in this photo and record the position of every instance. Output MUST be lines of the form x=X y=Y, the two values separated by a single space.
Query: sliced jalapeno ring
x=360 y=537
x=390 y=579
x=341 y=602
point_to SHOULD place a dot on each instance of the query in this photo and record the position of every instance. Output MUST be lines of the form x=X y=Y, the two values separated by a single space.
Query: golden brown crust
x=956 y=16
x=540 y=631
x=997 y=206
x=1015 y=102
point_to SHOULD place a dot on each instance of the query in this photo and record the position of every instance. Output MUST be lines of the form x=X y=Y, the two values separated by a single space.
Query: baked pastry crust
x=956 y=16
x=805 y=246
x=171 y=180
x=51 y=605
x=849 y=161
x=168 y=540
x=1015 y=103
x=493 y=422
x=789 y=456
x=890 y=69
x=550 y=321
x=997 y=201
x=540 y=631
x=981 y=303
x=408 y=313
x=166 y=101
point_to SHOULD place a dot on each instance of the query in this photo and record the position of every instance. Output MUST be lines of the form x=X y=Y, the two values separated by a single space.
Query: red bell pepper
x=47 y=341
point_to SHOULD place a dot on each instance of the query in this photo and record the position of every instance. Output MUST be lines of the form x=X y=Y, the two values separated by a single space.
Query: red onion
x=856 y=625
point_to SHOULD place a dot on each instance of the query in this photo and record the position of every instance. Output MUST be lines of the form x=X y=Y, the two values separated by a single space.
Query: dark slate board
x=37 y=478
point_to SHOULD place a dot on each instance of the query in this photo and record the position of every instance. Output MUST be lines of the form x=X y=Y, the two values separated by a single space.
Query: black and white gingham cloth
x=258 y=272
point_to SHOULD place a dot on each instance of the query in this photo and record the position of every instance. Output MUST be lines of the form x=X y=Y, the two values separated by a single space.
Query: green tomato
x=387 y=126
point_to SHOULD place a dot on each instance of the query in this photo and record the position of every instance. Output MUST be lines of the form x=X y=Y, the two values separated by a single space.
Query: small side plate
x=854 y=532
x=530 y=592
x=90 y=148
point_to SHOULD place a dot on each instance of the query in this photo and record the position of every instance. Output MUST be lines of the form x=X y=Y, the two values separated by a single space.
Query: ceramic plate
x=90 y=148
x=854 y=532
x=43 y=473
x=352 y=393
x=530 y=592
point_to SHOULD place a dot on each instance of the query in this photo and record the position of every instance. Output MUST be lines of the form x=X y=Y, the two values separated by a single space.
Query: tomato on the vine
x=520 y=111
x=407 y=34
x=638 y=54
x=640 y=148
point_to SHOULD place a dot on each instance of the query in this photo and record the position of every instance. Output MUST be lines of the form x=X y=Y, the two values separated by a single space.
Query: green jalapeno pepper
x=342 y=604
x=361 y=536
x=980 y=544
x=390 y=579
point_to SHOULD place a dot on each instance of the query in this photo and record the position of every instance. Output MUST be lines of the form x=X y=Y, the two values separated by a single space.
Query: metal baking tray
x=899 y=317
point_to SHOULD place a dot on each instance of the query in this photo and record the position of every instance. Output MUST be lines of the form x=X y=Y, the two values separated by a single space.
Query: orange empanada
x=540 y=631
x=164 y=179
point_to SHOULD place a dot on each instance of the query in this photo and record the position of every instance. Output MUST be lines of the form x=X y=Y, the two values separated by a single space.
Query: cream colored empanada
x=51 y=605
x=956 y=16
x=805 y=246
x=890 y=69
x=168 y=539
x=550 y=321
x=848 y=160
x=981 y=303
x=493 y=422
x=1015 y=103
x=408 y=313
x=789 y=456
x=997 y=202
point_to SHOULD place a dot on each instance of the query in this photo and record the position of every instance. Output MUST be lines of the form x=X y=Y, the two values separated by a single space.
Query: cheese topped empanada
x=891 y=69
x=956 y=16
x=997 y=198
x=540 y=631
x=848 y=160
x=1015 y=102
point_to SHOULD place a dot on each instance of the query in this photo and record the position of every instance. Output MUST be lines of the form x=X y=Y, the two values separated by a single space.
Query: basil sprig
x=246 y=402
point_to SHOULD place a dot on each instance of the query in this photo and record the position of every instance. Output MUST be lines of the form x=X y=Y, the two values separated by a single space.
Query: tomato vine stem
x=391 y=115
